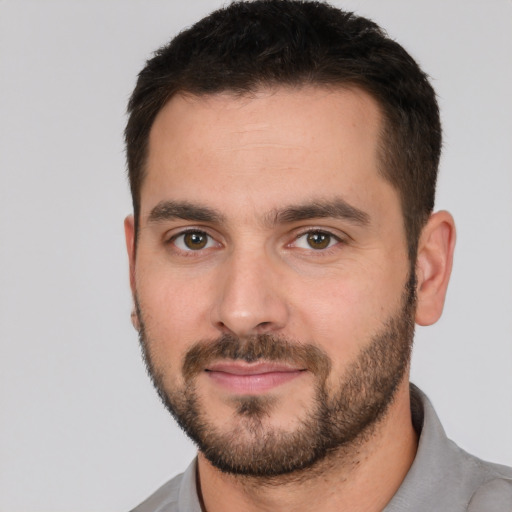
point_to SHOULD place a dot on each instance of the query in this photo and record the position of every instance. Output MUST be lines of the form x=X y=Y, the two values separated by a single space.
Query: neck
x=362 y=477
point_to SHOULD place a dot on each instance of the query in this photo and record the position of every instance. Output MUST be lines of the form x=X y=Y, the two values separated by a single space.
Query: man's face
x=271 y=274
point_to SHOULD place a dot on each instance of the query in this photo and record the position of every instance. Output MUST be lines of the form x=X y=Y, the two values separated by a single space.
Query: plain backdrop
x=81 y=428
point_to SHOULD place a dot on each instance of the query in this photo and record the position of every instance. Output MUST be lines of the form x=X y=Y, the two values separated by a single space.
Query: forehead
x=293 y=112
x=258 y=148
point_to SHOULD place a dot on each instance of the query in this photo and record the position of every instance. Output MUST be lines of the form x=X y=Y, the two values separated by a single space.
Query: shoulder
x=177 y=495
x=494 y=494
x=443 y=476
x=482 y=486
x=164 y=499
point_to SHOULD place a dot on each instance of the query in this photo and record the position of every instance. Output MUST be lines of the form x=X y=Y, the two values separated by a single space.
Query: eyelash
x=189 y=251
x=319 y=251
x=333 y=238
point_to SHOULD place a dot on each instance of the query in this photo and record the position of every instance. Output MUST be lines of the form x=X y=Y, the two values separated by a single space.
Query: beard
x=339 y=419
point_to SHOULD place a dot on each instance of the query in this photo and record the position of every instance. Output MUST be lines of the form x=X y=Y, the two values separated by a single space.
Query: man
x=283 y=158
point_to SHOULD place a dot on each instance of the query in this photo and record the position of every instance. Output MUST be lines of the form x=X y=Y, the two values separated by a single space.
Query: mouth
x=239 y=377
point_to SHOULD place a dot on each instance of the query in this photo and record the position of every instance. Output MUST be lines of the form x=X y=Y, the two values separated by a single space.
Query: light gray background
x=80 y=426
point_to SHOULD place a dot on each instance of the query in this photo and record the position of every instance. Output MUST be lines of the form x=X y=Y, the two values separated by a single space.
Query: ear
x=434 y=266
x=129 y=233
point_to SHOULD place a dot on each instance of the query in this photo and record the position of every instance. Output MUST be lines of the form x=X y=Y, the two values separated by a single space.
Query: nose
x=250 y=299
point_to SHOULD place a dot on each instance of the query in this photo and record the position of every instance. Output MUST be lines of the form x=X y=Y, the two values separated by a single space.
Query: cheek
x=335 y=318
x=175 y=313
x=344 y=311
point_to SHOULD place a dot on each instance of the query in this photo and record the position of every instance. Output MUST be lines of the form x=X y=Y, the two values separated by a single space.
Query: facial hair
x=339 y=418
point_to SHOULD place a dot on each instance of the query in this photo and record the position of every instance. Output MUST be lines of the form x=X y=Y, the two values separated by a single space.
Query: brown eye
x=318 y=240
x=195 y=240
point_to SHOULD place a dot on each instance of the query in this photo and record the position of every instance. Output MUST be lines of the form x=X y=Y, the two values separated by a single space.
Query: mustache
x=252 y=349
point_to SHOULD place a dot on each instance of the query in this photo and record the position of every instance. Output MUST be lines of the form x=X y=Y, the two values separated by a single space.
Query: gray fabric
x=443 y=478
x=177 y=495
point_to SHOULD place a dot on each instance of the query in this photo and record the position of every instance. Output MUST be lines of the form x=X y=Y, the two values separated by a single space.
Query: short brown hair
x=253 y=44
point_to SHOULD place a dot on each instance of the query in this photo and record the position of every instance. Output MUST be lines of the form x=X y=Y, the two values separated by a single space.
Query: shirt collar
x=437 y=479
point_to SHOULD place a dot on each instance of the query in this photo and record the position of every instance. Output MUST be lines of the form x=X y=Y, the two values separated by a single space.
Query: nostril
x=264 y=326
x=222 y=326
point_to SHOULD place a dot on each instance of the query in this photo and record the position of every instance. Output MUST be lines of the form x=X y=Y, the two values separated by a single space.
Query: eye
x=316 y=240
x=193 y=241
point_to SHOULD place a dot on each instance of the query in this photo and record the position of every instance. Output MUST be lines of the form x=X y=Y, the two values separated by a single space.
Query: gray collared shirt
x=442 y=478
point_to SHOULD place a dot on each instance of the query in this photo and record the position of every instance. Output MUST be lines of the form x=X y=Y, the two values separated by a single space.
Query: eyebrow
x=170 y=210
x=336 y=209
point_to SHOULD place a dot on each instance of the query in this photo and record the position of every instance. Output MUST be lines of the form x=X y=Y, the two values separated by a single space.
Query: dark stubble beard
x=338 y=420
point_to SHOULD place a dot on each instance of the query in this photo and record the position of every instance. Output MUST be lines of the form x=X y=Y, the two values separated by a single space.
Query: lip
x=251 y=378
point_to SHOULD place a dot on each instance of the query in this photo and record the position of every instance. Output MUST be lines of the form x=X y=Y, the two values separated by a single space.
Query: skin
x=245 y=158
